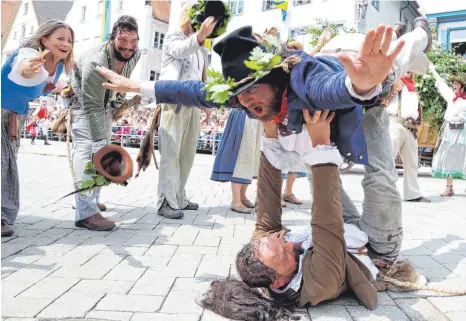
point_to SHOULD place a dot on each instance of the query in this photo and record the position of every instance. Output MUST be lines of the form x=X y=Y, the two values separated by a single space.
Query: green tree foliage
x=323 y=24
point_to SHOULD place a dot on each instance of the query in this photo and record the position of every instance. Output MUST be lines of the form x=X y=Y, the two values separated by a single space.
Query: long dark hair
x=242 y=300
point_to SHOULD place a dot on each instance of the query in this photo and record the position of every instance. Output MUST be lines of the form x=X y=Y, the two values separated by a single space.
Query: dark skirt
x=228 y=153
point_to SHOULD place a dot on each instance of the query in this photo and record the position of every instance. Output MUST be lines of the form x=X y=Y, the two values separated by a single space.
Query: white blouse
x=15 y=75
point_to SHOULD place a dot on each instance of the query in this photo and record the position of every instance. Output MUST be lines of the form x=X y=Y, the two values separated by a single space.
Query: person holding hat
x=183 y=58
x=450 y=157
x=92 y=113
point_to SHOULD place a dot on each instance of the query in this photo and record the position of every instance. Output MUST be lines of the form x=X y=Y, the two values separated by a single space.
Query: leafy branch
x=218 y=89
x=96 y=179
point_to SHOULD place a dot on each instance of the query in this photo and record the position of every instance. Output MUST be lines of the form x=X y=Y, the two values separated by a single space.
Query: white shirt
x=409 y=104
x=456 y=111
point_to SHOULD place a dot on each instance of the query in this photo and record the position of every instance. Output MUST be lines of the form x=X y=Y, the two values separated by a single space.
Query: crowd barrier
x=206 y=143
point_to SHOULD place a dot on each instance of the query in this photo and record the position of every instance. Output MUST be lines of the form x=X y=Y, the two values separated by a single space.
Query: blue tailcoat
x=316 y=83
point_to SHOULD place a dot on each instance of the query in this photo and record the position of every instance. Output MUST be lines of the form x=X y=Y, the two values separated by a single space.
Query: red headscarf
x=409 y=83
x=280 y=117
x=460 y=95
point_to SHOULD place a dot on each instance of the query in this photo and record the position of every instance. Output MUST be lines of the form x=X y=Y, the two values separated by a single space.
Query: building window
x=100 y=5
x=120 y=5
x=96 y=40
x=152 y=75
x=300 y=2
x=158 y=40
x=236 y=6
x=147 y=2
x=31 y=31
x=267 y=5
x=26 y=7
x=83 y=13
x=376 y=4
x=23 y=30
x=14 y=35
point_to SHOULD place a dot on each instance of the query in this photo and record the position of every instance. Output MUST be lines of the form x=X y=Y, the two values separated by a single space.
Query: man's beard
x=118 y=55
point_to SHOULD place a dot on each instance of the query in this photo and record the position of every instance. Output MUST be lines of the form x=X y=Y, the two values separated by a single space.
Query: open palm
x=374 y=62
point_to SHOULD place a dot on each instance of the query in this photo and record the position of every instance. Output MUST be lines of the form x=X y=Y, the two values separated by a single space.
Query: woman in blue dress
x=30 y=72
x=237 y=160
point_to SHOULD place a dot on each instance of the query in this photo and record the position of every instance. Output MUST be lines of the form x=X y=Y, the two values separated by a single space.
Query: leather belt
x=405 y=123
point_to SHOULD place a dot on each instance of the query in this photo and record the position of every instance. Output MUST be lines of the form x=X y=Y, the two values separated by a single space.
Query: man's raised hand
x=117 y=82
x=374 y=62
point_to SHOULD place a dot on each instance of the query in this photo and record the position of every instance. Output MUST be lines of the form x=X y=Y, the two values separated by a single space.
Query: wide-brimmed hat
x=245 y=62
x=112 y=164
x=209 y=8
x=461 y=78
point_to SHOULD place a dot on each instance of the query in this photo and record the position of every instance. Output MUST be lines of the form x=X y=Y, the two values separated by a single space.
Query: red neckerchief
x=409 y=83
x=460 y=95
x=280 y=117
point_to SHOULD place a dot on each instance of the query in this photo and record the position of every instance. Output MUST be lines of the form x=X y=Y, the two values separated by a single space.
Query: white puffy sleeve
x=15 y=75
x=279 y=157
x=323 y=154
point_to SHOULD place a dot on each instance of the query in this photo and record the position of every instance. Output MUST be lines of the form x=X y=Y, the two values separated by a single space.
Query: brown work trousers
x=328 y=269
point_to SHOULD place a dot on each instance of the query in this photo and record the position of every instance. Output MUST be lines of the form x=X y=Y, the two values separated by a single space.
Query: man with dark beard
x=91 y=115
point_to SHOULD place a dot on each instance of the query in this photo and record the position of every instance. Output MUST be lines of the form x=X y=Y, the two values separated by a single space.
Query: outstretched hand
x=374 y=62
x=318 y=126
x=117 y=82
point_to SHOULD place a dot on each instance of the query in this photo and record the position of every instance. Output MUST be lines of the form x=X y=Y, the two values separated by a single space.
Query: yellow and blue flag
x=105 y=35
x=283 y=6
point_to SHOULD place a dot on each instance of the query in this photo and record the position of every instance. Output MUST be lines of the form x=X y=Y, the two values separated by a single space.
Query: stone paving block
x=420 y=310
x=10 y=249
x=384 y=299
x=102 y=287
x=458 y=269
x=181 y=302
x=125 y=272
x=329 y=313
x=449 y=258
x=344 y=301
x=131 y=303
x=191 y=249
x=229 y=249
x=49 y=250
x=213 y=266
x=161 y=250
x=124 y=250
x=456 y=316
x=141 y=240
x=218 y=230
x=164 y=317
x=455 y=284
x=437 y=274
x=109 y=315
x=449 y=304
x=49 y=288
x=205 y=220
x=424 y=262
x=192 y=284
x=152 y=284
x=10 y=289
x=184 y=235
x=71 y=305
x=381 y=313
x=20 y=260
x=87 y=250
x=147 y=261
x=22 y=307
x=211 y=316
x=203 y=240
x=27 y=275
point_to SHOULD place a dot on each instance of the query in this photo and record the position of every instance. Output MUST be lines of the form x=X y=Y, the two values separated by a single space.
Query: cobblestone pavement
x=152 y=268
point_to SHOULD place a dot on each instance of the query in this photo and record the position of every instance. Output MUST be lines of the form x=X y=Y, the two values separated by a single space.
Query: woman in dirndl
x=237 y=159
x=450 y=158
x=30 y=72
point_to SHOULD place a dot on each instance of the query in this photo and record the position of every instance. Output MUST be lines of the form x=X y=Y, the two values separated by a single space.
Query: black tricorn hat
x=233 y=50
x=210 y=8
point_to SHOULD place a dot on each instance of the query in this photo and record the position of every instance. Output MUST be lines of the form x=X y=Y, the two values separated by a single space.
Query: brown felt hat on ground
x=114 y=162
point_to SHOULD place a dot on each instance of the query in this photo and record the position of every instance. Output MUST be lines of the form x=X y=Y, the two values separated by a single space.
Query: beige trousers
x=178 y=136
x=404 y=143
